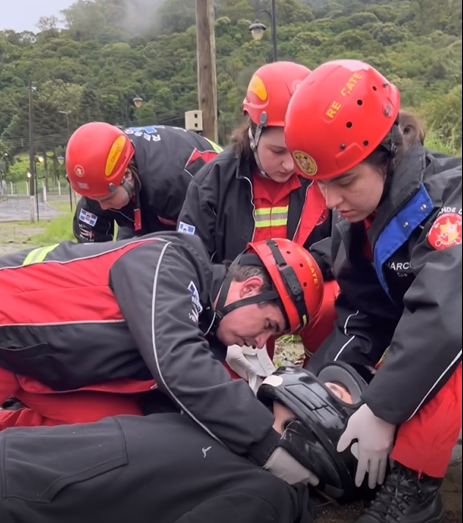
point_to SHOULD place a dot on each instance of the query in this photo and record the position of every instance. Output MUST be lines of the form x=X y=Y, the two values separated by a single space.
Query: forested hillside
x=106 y=55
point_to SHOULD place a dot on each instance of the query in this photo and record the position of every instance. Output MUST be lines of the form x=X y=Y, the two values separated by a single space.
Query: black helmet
x=326 y=417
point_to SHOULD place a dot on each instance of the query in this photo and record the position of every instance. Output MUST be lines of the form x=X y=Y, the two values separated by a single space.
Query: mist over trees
x=90 y=63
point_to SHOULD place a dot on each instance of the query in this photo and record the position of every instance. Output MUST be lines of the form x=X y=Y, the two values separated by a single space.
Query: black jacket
x=74 y=315
x=410 y=298
x=153 y=469
x=219 y=208
x=167 y=158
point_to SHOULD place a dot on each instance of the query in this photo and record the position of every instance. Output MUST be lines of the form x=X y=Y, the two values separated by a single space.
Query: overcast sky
x=22 y=15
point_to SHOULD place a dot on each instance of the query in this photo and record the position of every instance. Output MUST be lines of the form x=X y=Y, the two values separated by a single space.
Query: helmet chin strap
x=128 y=187
x=254 y=141
x=133 y=194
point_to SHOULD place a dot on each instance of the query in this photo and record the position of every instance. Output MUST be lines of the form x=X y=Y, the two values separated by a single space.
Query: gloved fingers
x=312 y=479
x=254 y=382
x=238 y=362
x=345 y=440
x=287 y=468
x=362 y=468
x=373 y=472
x=382 y=470
x=355 y=450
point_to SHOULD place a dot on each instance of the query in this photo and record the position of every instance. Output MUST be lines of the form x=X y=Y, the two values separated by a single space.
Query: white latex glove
x=375 y=441
x=285 y=467
x=253 y=365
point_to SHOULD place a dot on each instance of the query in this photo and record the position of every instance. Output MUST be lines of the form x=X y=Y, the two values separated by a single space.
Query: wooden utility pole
x=207 y=77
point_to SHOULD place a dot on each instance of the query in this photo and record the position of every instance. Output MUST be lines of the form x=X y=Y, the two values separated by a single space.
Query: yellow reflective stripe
x=216 y=147
x=39 y=254
x=271 y=223
x=271 y=216
x=271 y=210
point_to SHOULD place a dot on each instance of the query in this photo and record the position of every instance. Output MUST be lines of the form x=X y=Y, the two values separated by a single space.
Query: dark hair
x=241 y=273
x=133 y=166
x=381 y=156
x=405 y=133
x=241 y=142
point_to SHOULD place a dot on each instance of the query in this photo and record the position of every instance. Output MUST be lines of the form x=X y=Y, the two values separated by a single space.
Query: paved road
x=17 y=208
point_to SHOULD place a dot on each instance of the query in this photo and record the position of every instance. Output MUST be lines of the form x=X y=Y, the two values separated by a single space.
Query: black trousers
x=161 y=468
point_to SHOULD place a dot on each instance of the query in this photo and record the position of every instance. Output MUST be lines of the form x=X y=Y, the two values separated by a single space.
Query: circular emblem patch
x=446 y=231
x=306 y=164
x=79 y=171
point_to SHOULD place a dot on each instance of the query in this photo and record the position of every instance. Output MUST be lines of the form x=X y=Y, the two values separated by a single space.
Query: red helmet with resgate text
x=270 y=91
x=338 y=117
x=97 y=157
x=297 y=282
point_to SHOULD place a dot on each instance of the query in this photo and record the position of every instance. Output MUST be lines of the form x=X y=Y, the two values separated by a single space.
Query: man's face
x=119 y=198
x=114 y=200
x=250 y=325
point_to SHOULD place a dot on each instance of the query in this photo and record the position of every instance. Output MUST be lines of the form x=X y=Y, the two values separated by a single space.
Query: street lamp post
x=3 y=174
x=137 y=102
x=61 y=162
x=258 y=29
x=39 y=159
x=68 y=131
x=31 y=152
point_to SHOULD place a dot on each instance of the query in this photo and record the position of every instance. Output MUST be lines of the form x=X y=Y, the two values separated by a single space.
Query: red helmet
x=270 y=91
x=97 y=157
x=338 y=117
x=296 y=276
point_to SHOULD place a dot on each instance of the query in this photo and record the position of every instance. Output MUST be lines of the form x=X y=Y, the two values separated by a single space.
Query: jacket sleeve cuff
x=263 y=449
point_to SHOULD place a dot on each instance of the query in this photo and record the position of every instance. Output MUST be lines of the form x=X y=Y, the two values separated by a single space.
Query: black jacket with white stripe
x=167 y=158
x=74 y=315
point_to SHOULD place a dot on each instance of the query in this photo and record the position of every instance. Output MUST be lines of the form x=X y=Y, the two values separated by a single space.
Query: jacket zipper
x=253 y=207
x=302 y=212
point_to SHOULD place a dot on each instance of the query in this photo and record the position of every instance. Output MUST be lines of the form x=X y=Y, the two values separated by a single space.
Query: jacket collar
x=406 y=181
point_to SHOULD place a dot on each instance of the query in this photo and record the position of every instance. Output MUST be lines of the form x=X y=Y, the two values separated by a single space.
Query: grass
x=56 y=229
x=435 y=143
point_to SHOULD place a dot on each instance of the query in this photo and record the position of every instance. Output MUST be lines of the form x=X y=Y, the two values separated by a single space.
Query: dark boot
x=405 y=498
x=12 y=404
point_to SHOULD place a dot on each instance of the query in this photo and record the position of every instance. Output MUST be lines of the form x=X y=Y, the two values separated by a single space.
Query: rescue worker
x=397 y=258
x=136 y=178
x=43 y=481
x=252 y=192
x=78 y=317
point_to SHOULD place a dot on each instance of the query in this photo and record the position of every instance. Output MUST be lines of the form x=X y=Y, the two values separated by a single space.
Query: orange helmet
x=338 y=117
x=296 y=279
x=270 y=91
x=296 y=276
x=97 y=157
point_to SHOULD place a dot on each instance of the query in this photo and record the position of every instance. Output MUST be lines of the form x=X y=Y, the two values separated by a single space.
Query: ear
x=251 y=287
x=128 y=175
